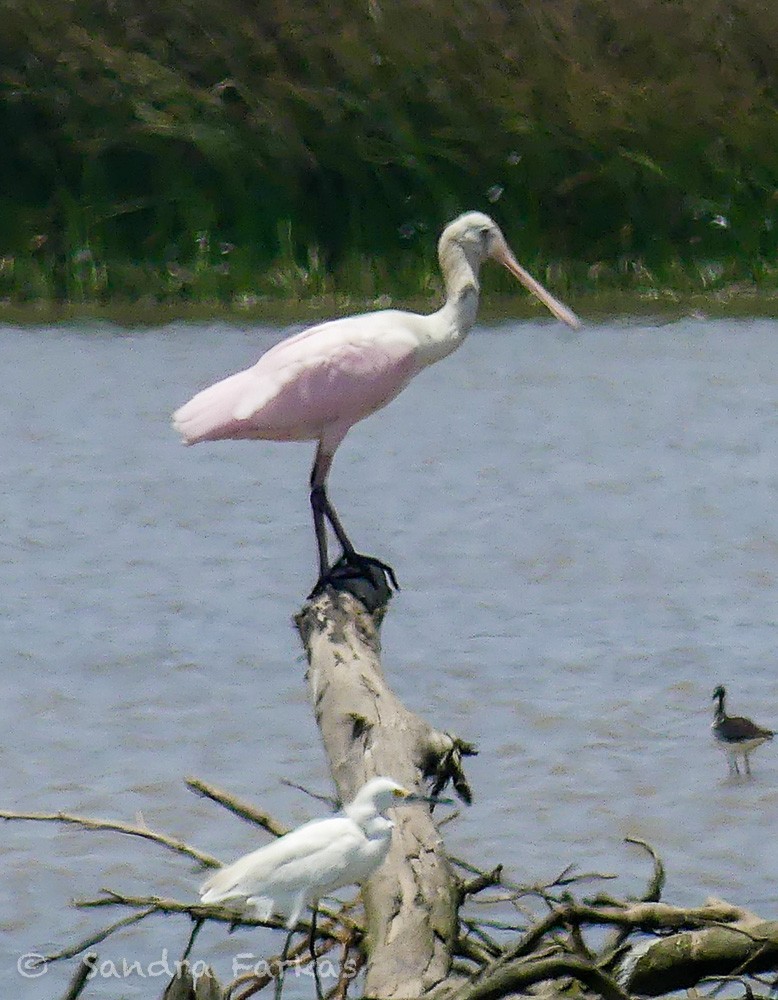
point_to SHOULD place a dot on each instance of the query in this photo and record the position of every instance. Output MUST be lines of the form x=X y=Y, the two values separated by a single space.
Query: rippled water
x=586 y=535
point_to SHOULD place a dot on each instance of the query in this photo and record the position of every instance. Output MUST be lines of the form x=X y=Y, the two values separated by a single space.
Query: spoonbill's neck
x=451 y=324
x=460 y=274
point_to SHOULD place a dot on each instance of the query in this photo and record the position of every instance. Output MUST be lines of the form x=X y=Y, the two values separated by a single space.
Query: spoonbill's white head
x=480 y=238
x=477 y=234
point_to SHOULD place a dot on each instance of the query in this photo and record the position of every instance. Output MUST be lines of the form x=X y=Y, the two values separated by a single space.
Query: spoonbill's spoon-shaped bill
x=316 y=385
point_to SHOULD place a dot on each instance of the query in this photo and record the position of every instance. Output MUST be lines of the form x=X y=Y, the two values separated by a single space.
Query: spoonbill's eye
x=399 y=793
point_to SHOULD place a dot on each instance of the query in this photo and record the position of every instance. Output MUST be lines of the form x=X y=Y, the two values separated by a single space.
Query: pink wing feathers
x=329 y=376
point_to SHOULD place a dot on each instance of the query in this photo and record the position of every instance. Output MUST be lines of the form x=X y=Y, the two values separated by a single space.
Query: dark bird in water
x=736 y=735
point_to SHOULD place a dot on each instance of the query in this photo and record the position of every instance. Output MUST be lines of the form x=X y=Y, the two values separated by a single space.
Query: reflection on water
x=586 y=536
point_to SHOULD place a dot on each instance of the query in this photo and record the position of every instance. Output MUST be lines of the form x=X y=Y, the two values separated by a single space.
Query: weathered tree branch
x=681 y=960
x=511 y=969
x=197 y=911
x=184 y=986
x=79 y=980
x=481 y=881
x=411 y=902
x=237 y=806
x=114 y=826
x=93 y=939
x=516 y=976
x=656 y=883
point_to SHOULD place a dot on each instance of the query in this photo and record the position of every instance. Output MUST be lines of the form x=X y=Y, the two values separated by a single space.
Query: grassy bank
x=188 y=153
x=649 y=306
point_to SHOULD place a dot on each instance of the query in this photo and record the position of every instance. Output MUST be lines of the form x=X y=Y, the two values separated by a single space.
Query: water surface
x=585 y=532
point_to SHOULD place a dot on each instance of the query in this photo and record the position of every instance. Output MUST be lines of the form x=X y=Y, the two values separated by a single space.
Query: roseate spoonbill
x=295 y=871
x=314 y=386
x=736 y=735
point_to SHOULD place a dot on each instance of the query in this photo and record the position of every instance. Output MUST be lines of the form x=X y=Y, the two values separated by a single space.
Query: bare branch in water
x=79 y=980
x=329 y=800
x=237 y=806
x=116 y=826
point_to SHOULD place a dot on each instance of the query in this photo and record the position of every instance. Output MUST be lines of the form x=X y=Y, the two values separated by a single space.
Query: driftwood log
x=411 y=903
x=742 y=947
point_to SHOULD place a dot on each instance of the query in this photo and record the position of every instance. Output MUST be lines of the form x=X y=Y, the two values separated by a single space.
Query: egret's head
x=380 y=794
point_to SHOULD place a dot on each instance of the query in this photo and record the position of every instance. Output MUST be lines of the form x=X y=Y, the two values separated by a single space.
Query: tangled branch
x=115 y=826
x=655 y=946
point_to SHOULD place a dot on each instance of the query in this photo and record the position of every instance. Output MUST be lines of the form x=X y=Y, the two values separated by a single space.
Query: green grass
x=209 y=153
x=593 y=304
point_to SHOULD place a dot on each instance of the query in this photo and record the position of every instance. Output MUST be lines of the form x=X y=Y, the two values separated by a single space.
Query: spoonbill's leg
x=321 y=508
x=320 y=529
x=352 y=564
x=320 y=501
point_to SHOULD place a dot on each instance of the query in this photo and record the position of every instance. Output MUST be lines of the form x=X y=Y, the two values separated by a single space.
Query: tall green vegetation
x=219 y=150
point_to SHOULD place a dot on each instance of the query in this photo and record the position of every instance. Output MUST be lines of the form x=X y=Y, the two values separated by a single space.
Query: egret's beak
x=503 y=255
x=417 y=797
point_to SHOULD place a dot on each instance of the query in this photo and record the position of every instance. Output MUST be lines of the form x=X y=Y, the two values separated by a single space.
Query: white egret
x=298 y=869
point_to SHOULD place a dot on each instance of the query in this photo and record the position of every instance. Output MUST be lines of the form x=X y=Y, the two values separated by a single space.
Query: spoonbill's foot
x=364 y=577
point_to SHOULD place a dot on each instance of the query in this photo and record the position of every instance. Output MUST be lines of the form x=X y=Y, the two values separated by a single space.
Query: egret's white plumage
x=316 y=385
x=295 y=871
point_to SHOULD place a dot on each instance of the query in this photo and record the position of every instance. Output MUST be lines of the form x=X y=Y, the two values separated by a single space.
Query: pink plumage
x=322 y=380
x=316 y=385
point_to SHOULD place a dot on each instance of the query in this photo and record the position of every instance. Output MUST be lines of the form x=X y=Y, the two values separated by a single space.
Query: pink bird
x=316 y=385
